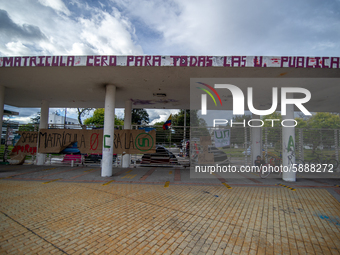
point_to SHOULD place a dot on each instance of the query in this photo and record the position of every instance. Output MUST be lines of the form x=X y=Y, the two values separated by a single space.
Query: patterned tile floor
x=47 y=213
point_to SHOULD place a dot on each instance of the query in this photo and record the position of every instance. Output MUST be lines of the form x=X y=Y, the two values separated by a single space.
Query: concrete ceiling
x=84 y=86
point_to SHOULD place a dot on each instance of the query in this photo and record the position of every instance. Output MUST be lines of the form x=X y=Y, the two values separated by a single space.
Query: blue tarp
x=147 y=129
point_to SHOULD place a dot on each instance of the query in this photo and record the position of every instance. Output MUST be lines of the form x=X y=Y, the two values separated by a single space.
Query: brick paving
x=79 y=215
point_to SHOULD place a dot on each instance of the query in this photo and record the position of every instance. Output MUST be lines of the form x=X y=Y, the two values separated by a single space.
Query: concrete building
x=54 y=119
x=123 y=81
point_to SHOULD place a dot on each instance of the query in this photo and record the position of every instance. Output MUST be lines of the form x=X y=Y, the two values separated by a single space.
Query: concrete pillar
x=2 y=101
x=43 y=125
x=288 y=143
x=256 y=139
x=126 y=159
x=108 y=134
x=184 y=133
x=185 y=124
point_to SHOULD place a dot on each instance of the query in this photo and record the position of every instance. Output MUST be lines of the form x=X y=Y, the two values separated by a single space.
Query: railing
x=308 y=142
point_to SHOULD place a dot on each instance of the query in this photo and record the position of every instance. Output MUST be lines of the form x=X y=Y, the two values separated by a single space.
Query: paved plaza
x=153 y=210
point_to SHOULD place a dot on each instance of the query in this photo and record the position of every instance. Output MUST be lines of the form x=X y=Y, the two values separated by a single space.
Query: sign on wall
x=88 y=141
x=180 y=61
x=222 y=137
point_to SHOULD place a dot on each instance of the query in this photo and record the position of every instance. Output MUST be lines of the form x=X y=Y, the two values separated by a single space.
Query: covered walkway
x=161 y=82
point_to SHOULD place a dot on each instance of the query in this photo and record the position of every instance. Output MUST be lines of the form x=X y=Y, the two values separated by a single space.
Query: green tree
x=158 y=124
x=273 y=116
x=26 y=127
x=82 y=112
x=178 y=118
x=98 y=118
x=237 y=131
x=192 y=119
x=274 y=135
x=36 y=120
x=313 y=133
x=324 y=120
x=139 y=117
x=198 y=126
x=275 y=128
x=240 y=118
x=301 y=123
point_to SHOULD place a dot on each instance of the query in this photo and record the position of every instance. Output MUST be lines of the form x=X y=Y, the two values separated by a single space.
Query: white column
x=2 y=101
x=288 y=143
x=108 y=134
x=126 y=159
x=185 y=124
x=43 y=125
x=256 y=139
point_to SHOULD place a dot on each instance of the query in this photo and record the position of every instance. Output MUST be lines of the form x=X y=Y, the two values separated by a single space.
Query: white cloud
x=15 y=49
x=162 y=118
x=57 y=5
x=21 y=120
x=227 y=27
x=109 y=34
x=191 y=27
x=119 y=112
x=98 y=32
x=71 y=112
x=79 y=48
x=160 y=115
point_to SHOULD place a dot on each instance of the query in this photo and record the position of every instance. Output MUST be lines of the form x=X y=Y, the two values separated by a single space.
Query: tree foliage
x=240 y=118
x=139 y=117
x=36 y=120
x=273 y=116
x=26 y=127
x=82 y=112
x=158 y=124
x=98 y=118
x=318 y=120
x=324 y=120
x=237 y=133
x=192 y=118
x=312 y=133
x=178 y=118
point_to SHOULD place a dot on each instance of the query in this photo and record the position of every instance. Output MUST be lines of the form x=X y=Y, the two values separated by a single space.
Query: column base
x=126 y=159
x=41 y=159
x=289 y=177
x=289 y=180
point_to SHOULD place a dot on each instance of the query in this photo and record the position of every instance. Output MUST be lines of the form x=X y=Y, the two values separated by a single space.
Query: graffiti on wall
x=178 y=61
x=88 y=141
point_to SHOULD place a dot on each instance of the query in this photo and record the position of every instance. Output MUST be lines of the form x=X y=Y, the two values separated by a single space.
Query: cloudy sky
x=167 y=27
